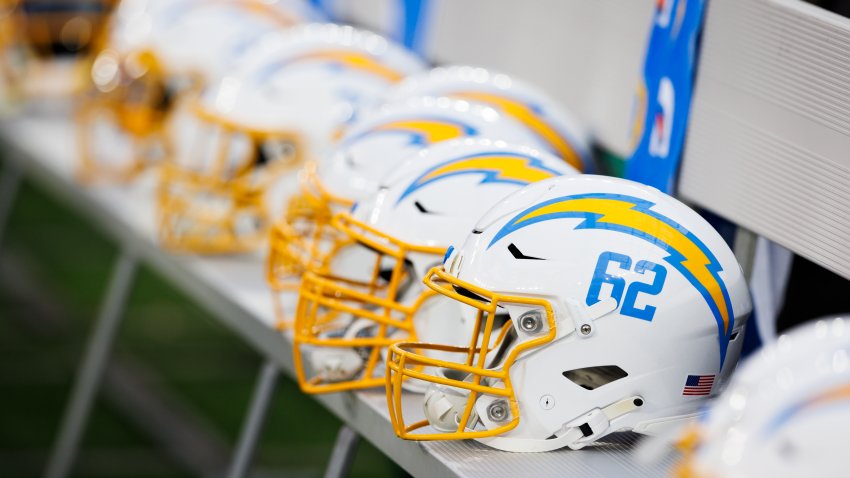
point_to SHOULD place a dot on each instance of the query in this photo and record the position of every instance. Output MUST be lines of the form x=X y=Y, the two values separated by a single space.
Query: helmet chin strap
x=576 y=434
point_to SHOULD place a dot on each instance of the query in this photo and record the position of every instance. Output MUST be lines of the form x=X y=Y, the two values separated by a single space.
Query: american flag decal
x=698 y=385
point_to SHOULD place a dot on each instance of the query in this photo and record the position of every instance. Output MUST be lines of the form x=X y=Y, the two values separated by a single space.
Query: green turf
x=191 y=356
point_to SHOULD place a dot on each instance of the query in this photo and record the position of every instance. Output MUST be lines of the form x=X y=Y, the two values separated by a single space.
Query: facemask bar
x=15 y=55
x=132 y=95
x=214 y=201
x=75 y=32
x=329 y=304
x=688 y=443
x=408 y=361
x=137 y=95
x=32 y=39
x=303 y=239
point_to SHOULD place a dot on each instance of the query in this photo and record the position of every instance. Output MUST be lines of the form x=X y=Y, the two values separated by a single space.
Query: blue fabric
x=326 y=7
x=414 y=24
x=667 y=85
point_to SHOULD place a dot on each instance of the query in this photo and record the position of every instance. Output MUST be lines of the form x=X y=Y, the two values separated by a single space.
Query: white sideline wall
x=588 y=54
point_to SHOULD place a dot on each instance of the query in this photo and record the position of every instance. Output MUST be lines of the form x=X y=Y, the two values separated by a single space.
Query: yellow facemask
x=35 y=33
x=687 y=445
x=9 y=38
x=133 y=96
x=480 y=371
x=303 y=238
x=330 y=305
x=213 y=201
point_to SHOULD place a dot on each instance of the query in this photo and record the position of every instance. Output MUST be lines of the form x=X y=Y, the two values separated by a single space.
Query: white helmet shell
x=425 y=204
x=618 y=294
x=786 y=412
x=558 y=130
x=310 y=79
x=198 y=36
x=372 y=147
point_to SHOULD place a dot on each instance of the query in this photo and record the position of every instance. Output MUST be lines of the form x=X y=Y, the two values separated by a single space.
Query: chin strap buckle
x=596 y=423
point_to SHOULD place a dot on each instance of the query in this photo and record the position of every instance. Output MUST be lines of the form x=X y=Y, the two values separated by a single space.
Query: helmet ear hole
x=591 y=378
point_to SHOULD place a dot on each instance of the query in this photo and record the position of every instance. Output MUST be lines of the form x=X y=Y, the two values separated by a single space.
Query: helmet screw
x=585 y=329
x=530 y=322
x=498 y=411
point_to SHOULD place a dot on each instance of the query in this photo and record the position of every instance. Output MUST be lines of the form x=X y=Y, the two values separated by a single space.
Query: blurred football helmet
x=786 y=412
x=371 y=292
x=368 y=151
x=45 y=44
x=557 y=129
x=159 y=51
x=280 y=105
x=615 y=296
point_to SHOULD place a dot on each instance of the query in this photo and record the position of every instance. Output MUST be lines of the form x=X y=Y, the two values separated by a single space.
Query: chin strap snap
x=597 y=422
x=575 y=434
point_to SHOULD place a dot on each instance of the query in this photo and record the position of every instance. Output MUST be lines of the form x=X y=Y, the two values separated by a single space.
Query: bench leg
x=91 y=370
x=10 y=183
x=253 y=426
x=342 y=457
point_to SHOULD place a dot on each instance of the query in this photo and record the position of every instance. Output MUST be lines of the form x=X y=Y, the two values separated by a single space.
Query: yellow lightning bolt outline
x=354 y=60
x=530 y=119
x=508 y=168
x=433 y=131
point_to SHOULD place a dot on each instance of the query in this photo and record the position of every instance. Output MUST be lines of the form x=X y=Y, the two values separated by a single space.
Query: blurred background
x=175 y=394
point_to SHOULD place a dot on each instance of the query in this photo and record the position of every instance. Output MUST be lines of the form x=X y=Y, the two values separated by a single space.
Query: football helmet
x=786 y=412
x=614 y=296
x=159 y=52
x=557 y=129
x=371 y=291
x=45 y=44
x=280 y=105
x=369 y=150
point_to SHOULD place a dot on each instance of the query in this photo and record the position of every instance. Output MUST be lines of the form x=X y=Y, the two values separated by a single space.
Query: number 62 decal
x=655 y=275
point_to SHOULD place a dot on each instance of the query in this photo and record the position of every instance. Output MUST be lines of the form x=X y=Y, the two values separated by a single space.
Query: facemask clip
x=583 y=316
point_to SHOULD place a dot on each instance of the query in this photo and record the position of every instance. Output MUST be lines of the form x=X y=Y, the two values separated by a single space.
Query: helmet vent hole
x=733 y=336
x=591 y=378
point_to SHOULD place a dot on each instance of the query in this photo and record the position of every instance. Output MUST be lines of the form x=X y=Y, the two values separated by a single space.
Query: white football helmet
x=282 y=103
x=159 y=52
x=369 y=149
x=45 y=46
x=554 y=126
x=370 y=292
x=786 y=412
x=616 y=298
